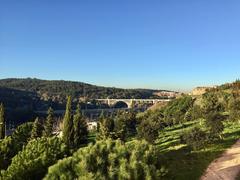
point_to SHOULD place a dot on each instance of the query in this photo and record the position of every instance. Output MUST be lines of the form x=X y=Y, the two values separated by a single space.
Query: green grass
x=186 y=164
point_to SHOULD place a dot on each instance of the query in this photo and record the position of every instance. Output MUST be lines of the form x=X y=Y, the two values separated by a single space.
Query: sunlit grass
x=186 y=164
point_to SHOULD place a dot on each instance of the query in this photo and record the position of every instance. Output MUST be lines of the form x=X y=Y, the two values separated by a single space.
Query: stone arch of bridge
x=121 y=104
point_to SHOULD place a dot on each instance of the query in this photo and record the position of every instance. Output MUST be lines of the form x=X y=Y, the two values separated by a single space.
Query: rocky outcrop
x=200 y=90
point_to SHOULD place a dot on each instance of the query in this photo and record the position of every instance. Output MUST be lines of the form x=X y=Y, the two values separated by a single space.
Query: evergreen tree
x=100 y=120
x=33 y=160
x=37 y=129
x=110 y=159
x=214 y=122
x=106 y=128
x=48 y=126
x=120 y=125
x=2 y=122
x=68 y=124
x=234 y=109
x=211 y=103
x=80 y=128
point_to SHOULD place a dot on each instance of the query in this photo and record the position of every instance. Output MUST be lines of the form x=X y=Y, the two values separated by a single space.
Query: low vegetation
x=110 y=160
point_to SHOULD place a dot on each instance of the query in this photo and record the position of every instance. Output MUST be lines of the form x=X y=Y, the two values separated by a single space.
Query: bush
x=11 y=145
x=110 y=160
x=21 y=135
x=214 y=124
x=6 y=152
x=234 y=109
x=33 y=161
x=195 y=138
x=175 y=111
x=149 y=128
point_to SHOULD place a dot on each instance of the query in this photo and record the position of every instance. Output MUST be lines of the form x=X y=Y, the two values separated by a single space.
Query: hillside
x=59 y=89
x=195 y=130
x=21 y=97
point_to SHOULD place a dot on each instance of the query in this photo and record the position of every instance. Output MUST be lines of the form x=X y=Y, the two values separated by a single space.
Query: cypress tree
x=48 y=126
x=68 y=124
x=80 y=128
x=2 y=122
x=37 y=129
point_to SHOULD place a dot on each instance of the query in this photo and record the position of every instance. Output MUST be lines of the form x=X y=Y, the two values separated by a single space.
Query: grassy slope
x=182 y=163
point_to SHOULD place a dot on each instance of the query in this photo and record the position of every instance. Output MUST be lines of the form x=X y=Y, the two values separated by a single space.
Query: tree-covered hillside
x=60 y=89
x=22 y=97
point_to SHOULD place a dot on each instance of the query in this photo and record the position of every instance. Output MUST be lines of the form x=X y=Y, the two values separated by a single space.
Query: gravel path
x=226 y=167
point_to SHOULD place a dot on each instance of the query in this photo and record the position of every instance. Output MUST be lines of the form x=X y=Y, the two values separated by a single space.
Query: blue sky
x=161 y=44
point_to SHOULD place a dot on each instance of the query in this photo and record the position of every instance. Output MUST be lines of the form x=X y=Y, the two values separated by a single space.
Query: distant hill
x=57 y=89
x=28 y=95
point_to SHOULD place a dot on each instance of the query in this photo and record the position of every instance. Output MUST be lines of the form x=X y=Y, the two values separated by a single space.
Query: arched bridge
x=130 y=102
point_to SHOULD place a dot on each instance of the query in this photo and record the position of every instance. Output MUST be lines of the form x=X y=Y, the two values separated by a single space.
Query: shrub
x=110 y=159
x=149 y=128
x=175 y=111
x=195 y=138
x=33 y=161
x=11 y=145
x=214 y=124
x=6 y=152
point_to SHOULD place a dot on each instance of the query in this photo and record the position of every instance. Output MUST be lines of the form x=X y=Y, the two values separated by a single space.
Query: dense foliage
x=234 y=108
x=121 y=126
x=48 y=125
x=176 y=112
x=110 y=160
x=105 y=127
x=36 y=129
x=80 y=129
x=11 y=145
x=35 y=158
x=75 y=130
x=195 y=138
x=149 y=126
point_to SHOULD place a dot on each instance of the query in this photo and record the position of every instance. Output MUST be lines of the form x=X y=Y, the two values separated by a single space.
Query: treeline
x=60 y=89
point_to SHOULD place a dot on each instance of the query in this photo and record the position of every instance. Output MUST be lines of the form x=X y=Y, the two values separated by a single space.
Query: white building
x=92 y=125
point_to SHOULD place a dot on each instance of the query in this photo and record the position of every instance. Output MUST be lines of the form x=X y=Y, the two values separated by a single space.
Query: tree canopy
x=110 y=160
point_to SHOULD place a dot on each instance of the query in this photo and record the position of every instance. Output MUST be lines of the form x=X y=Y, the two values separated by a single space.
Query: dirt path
x=225 y=167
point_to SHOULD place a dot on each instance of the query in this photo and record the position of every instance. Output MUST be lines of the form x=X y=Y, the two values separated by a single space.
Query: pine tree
x=80 y=128
x=121 y=125
x=68 y=124
x=2 y=122
x=106 y=128
x=48 y=126
x=37 y=129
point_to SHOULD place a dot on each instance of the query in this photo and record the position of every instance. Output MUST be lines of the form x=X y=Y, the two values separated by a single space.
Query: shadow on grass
x=184 y=164
x=180 y=127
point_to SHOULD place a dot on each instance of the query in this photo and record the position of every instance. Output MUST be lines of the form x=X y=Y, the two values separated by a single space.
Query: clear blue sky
x=163 y=44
